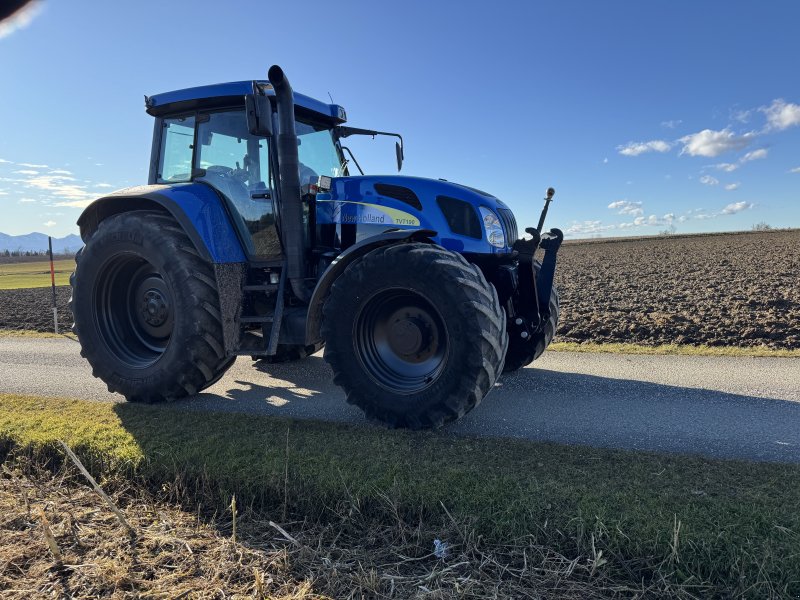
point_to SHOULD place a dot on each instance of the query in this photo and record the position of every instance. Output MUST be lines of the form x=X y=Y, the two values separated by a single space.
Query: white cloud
x=795 y=170
x=3 y=160
x=626 y=207
x=50 y=223
x=727 y=167
x=103 y=185
x=76 y=203
x=781 y=114
x=671 y=124
x=754 y=155
x=584 y=227
x=733 y=186
x=32 y=166
x=60 y=172
x=26 y=200
x=712 y=143
x=605 y=161
x=637 y=148
x=3 y=193
x=26 y=172
x=743 y=116
x=736 y=207
x=709 y=180
x=59 y=187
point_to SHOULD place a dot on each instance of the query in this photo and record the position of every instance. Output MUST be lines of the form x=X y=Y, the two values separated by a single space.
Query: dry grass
x=175 y=553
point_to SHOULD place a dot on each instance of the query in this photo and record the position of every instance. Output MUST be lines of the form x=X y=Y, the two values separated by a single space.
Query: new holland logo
x=350 y=212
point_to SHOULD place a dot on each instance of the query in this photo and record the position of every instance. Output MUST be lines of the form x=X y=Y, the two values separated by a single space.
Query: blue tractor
x=253 y=238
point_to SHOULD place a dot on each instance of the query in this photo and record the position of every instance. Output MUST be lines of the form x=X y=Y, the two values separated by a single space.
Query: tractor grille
x=509 y=225
x=398 y=192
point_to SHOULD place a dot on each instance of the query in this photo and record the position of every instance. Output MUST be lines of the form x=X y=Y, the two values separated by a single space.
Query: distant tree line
x=66 y=253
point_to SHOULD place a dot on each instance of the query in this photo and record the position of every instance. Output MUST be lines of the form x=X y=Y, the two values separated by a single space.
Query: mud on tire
x=146 y=309
x=414 y=334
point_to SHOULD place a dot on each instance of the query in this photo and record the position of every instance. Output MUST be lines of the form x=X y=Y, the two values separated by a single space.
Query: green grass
x=733 y=525
x=34 y=274
x=701 y=350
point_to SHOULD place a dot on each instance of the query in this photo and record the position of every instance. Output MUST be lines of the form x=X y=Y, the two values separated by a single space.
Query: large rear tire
x=146 y=309
x=523 y=352
x=414 y=334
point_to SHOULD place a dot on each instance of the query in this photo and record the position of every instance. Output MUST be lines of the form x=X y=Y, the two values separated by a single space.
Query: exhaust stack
x=292 y=207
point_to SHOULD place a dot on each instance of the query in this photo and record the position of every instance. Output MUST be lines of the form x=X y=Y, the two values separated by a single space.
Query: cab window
x=175 y=158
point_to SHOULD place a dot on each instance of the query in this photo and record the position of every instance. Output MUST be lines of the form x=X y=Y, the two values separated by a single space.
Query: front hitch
x=550 y=243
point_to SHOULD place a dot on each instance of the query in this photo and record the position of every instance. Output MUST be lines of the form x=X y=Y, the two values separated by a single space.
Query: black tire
x=146 y=309
x=523 y=352
x=287 y=353
x=414 y=334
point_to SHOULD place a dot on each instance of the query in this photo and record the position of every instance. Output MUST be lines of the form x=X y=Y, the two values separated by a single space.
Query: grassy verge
x=702 y=350
x=34 y=274
x=727 y=528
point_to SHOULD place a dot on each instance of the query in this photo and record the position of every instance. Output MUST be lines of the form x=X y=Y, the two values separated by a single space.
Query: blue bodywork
x=354 y=200
x=196 y=206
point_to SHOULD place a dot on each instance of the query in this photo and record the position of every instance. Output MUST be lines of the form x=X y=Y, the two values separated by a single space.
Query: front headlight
x=493 y=228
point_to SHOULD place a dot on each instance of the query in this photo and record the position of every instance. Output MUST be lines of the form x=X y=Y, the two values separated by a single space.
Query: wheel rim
x=401 y=341
x=134 y=312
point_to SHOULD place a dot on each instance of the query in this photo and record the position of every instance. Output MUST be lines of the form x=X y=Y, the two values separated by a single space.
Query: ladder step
x=267 y=287
x=256 y=319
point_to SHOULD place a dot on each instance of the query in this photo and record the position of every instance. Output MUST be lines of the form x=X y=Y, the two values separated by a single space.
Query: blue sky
x=642 y=115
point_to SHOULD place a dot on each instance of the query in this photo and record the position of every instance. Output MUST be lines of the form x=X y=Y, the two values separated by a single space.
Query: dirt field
x=721 y=290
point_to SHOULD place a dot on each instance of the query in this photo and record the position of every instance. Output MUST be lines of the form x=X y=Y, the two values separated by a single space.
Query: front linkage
x=533 y=325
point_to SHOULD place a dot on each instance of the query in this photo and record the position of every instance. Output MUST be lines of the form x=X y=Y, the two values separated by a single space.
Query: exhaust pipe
x=292 y=207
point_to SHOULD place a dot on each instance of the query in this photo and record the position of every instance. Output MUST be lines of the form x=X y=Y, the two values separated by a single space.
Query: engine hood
x=380 y=202
x=423 y=187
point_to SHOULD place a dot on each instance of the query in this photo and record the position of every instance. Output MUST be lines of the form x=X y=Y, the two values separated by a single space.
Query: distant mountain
x=37 y=242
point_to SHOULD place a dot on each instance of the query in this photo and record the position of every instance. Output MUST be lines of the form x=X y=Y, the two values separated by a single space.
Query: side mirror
x=398 y=150
x=259 y=114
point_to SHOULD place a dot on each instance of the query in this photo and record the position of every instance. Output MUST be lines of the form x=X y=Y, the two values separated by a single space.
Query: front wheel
x=146 y=309
x=414 y=334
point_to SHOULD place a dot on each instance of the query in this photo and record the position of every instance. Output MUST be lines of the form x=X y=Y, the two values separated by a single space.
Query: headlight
x=493 y=228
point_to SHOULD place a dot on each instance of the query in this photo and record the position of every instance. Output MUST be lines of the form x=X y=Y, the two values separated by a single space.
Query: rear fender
x=195 y=206
x=201 y=214
x=337 y=267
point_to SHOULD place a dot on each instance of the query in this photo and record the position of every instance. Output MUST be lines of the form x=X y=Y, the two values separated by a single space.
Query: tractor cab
x=207 y=135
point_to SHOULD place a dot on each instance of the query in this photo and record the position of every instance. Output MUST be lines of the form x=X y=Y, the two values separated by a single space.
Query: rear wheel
x=414 y=334
x=146 y=309
x=523 y=352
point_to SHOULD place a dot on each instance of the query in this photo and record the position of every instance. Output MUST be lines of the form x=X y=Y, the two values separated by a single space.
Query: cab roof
x=231 y=93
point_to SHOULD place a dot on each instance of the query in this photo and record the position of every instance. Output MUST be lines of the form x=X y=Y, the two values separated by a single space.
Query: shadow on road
x=542 y=404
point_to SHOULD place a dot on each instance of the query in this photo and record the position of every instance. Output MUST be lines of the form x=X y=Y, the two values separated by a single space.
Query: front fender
x=337 y=267
x=195 y=206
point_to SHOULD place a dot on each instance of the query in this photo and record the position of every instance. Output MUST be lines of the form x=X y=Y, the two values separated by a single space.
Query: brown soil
x=721 y=290
x=737 y=289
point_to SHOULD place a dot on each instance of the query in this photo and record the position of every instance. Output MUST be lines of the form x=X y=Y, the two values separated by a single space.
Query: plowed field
x=738 y=289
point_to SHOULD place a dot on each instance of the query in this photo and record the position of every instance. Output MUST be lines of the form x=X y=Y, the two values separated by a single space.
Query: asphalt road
x=714 y=406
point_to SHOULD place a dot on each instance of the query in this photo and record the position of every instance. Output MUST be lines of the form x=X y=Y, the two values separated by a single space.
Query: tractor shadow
x=545 y=405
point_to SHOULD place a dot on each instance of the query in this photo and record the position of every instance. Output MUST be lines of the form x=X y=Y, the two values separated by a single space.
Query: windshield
x=318 y=153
